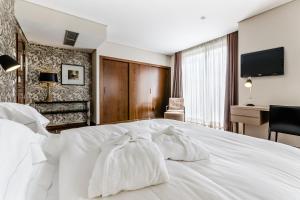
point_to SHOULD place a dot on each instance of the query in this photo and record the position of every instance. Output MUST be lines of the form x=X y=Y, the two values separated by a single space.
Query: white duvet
x=175 y=145
x=239 y=168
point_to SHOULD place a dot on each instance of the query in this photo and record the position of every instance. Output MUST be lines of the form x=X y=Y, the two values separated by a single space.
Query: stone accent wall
x=46 y=58
x=7 y=46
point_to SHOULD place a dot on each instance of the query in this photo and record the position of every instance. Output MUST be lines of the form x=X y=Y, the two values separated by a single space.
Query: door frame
x=101 y=81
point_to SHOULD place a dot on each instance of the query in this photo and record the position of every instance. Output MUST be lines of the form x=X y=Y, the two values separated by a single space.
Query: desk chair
x=284 y=119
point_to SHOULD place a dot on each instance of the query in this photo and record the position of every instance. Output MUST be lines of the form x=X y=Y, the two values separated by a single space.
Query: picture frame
x=72 y=74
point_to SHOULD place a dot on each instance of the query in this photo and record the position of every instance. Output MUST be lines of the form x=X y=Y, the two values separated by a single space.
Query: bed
x=42 y=166
x=239 y=168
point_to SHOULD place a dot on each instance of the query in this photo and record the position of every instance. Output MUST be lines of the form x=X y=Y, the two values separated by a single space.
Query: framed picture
x=72 y=74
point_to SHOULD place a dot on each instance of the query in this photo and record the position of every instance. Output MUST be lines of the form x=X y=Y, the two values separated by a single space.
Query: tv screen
x=263 y=63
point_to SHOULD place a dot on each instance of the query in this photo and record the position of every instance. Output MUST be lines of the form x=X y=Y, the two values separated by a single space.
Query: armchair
x=175 y=110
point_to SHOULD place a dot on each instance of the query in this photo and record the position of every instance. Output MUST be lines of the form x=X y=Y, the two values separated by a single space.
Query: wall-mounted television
x=263 y=63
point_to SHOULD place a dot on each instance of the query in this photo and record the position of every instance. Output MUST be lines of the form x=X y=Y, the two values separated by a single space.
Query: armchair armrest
x=167 y=108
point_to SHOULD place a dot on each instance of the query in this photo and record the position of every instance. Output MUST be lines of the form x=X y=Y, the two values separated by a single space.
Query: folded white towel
x=128 y=162
x=175 y=145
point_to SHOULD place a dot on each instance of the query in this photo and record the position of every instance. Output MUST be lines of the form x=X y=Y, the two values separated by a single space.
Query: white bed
x=240 y=167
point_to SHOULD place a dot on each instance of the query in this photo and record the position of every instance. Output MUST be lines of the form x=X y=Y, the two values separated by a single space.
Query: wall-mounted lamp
x=48 y=78
x=8 y=63
x=248 y=84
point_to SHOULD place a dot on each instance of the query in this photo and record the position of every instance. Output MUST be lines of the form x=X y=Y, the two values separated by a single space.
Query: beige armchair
x=175 y=110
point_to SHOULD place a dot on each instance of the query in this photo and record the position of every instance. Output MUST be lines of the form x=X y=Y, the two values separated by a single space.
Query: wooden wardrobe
x=132 y=90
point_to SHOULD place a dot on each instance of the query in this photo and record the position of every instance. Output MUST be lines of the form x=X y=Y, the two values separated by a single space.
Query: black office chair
x=284 y=119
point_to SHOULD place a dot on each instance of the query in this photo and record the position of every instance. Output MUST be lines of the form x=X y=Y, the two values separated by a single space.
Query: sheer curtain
x=203 y=81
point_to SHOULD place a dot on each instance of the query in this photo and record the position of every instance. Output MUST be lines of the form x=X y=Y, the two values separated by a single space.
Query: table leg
x=244 y=129
x=237 y=127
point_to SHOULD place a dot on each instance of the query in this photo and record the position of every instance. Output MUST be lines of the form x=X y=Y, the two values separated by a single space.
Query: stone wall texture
x=8 y=47
x=46 y=58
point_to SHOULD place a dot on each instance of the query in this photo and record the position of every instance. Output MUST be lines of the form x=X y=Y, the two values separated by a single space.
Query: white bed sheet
x=53 y=193
x=44 y=184
x=52 y=149
x=240 y=167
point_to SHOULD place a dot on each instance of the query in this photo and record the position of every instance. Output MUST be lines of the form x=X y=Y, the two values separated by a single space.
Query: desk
x=252 y=115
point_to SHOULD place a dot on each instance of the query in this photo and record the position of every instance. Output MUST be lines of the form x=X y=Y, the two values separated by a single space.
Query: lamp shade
x=48 y=77
x=248 y=83
x=8 y=63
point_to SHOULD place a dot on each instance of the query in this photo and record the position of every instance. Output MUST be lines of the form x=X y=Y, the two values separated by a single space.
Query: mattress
x=240 y=167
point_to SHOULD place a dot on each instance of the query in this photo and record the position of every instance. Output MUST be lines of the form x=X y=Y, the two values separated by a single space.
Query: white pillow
x=24 y=114
x=176 y=145
x=19 y=151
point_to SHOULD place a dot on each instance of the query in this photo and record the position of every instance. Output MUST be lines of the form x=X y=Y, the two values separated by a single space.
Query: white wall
x=275 y=28
x=130 y=53
x=123 y=52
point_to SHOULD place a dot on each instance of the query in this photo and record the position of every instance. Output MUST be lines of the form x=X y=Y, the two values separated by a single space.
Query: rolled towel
x=128 y=162
x=175 y=145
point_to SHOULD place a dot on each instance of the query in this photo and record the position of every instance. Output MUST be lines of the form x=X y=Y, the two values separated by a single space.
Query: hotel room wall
x=46 y=58
x=110 y=49
x=275 y=28
x=7 y=46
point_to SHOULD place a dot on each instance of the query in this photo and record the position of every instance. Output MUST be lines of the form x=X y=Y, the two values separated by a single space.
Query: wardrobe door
x=149 y=91
x=160 y=91
x=139 y=91
x=114 y=91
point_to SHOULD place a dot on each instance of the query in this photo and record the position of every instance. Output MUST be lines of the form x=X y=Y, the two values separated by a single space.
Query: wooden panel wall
x=21 y=72
x=115 y=91
x=160 y=90
x=139 y=89
x=148 y=90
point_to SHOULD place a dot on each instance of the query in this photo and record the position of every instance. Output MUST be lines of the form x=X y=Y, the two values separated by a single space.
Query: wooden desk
x=252 y=115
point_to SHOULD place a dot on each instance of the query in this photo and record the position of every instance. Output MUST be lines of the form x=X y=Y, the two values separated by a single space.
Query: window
x=203 y=77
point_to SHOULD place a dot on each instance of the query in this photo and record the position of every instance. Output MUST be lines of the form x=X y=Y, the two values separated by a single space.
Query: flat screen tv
x=263 y=63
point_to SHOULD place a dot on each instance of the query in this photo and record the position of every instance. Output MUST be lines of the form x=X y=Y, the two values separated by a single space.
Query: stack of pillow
x=20 y=153
x=24 y=114
x=24 y=153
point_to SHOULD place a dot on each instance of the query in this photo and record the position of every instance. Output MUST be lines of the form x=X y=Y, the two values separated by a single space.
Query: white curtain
x=203 y=77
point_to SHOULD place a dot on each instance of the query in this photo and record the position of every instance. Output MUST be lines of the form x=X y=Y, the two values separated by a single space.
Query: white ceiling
x=46 y=26
x=163 y=26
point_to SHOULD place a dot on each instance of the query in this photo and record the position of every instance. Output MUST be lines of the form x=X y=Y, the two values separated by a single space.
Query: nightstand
x=252 y=115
